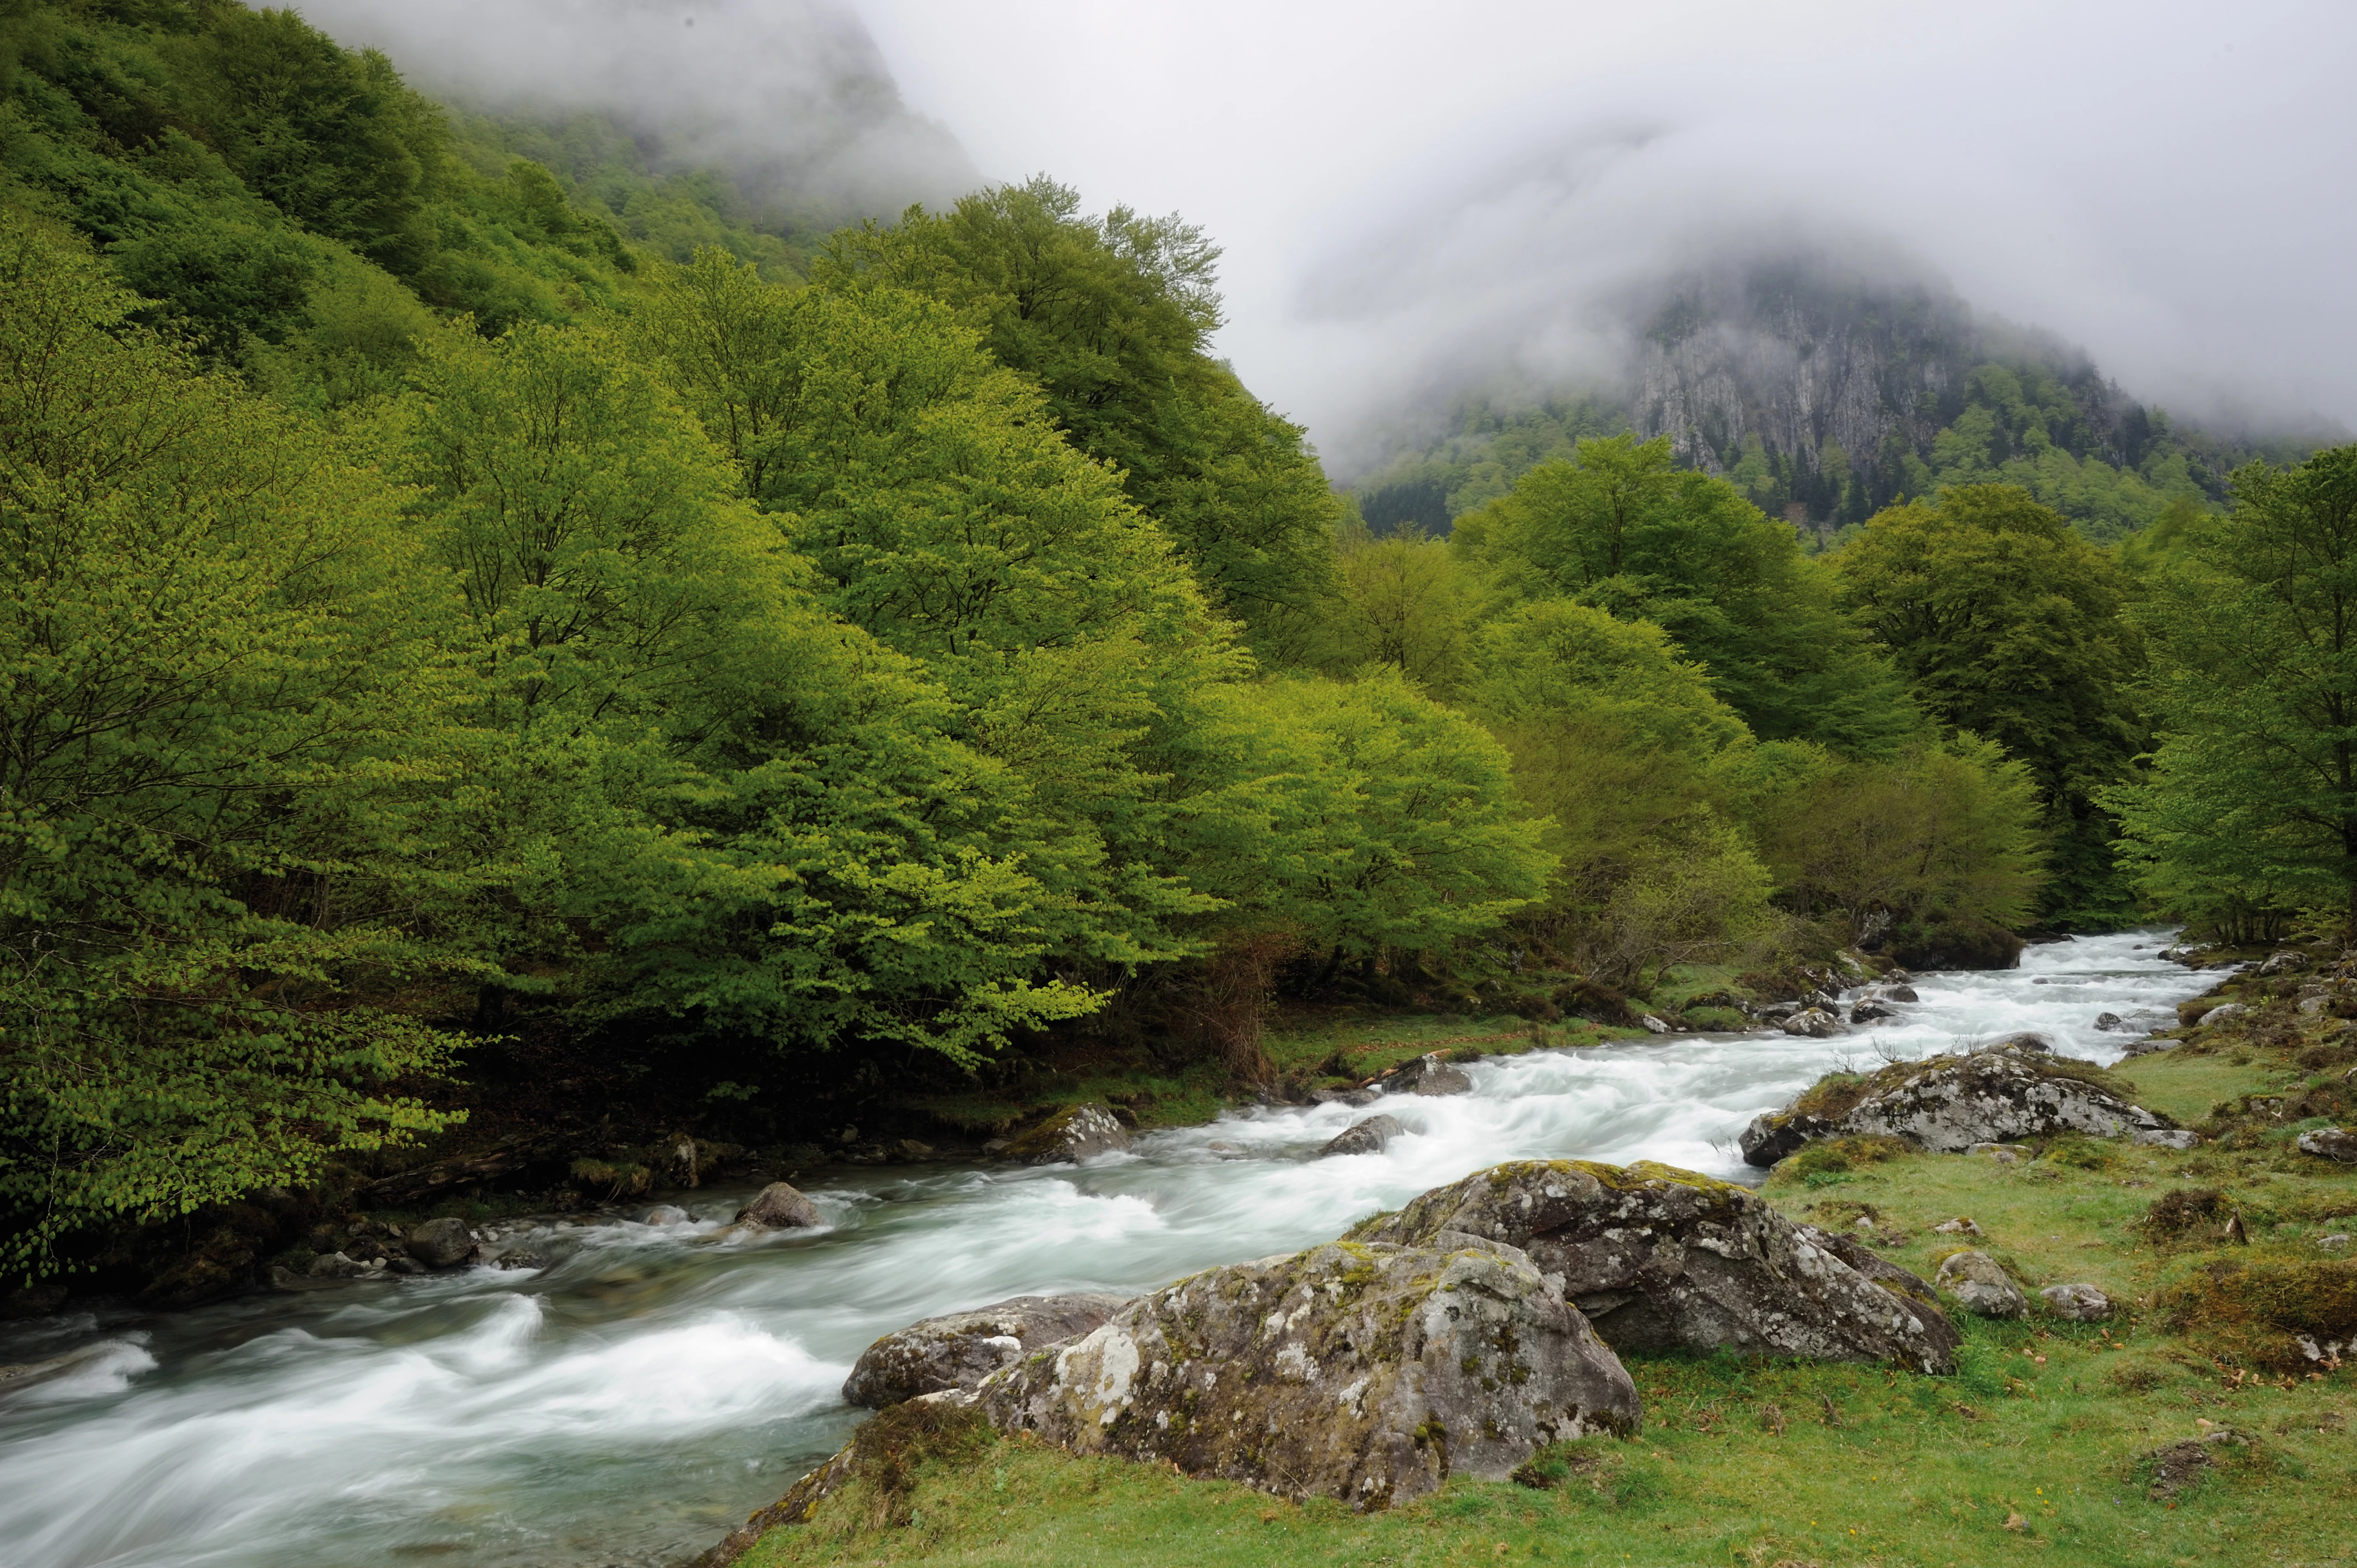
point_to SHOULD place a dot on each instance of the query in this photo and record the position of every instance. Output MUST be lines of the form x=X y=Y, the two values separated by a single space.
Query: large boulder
x=1947 y=1104
x=958 y=1349
x=1365 y=1373
x=440 y=1243
x=1959 y=944
x=1661 y=1259
x=1073 y=1134
x=1369 y=1135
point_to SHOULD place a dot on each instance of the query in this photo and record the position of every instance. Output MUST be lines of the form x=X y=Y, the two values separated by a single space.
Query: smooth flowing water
x=630 y=1403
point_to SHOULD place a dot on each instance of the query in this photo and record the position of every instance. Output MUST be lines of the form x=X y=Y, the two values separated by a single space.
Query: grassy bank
x=2040 y=1449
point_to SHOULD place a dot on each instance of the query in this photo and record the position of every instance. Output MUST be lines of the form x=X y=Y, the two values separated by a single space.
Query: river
x=634 y=1400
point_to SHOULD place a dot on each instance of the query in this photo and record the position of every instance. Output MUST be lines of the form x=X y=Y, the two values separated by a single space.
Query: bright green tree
x=2249 y=808
x=1619 y=528
x=226 y=713
x=2007 y=624
x=1112 y=316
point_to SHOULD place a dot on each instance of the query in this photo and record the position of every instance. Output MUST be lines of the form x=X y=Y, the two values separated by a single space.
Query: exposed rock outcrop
x=1661 y=1259
x=1366 y=1373
x=958 y=1349
x=1947 y=1104
x=1370 y=1135
x=2336 y=1143
x=1073 y=1134
x=2077 y=1303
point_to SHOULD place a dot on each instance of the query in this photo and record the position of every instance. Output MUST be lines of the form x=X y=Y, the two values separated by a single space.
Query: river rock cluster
x=1458 y=1336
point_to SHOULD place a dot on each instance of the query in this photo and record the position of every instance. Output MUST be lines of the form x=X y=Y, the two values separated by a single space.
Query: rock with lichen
x=1947 y=1104
x=958 y=1349
x=1981 y=1285
x=1073 y=1134
x=1663 y=1259
x=1367 y=1373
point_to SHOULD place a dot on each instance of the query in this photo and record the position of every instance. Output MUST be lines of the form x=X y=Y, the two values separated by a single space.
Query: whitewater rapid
x=632 y=1402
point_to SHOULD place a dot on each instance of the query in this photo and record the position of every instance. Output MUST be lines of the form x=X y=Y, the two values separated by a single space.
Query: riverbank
x=633 y=1399
x=2189 y=1427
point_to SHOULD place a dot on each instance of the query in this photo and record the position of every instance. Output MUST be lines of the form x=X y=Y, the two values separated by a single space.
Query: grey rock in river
x=1370 y=1135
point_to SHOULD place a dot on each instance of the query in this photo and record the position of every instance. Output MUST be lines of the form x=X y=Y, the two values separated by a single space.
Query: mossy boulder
x=958 y=1349
x=1663 y=1259
x=1947 y=1104
x=1073 y=1134
x=1367 y=1374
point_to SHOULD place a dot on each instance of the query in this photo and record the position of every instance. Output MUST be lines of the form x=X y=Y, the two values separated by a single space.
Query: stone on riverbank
x=1947 y=1104
x=1366 y=1373
x=958 y=1349
x=1073 y=1134
x=440 y=1243
x=1660 y=1259
x=1427 y=1074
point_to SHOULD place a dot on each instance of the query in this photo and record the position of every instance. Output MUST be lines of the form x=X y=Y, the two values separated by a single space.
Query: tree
x=2249 y=807
x=1948 y=833
x=757 y=807
x=1617 y=527
x=1406 y=604
x=1624 y=750
x=1112 y=317
x=2007 y=626
x=226 y=712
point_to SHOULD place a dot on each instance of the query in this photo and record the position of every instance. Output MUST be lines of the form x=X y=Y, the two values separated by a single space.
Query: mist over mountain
x=790 y=98
x=1825 y=382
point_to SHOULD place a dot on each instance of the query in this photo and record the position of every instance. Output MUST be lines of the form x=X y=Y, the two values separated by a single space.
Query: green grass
x=2029 y=1454
x=2186 y=1086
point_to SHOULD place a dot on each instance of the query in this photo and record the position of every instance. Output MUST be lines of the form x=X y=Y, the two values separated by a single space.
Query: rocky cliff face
x=1799 y=361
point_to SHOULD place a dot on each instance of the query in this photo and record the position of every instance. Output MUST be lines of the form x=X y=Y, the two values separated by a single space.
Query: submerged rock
x=1073 y=1134
x=1366 y=1373
x=1981 y=1286
x=1661 y=1259
x=440 y=1243
x=1370 y=1136
x=2112 y=1023
x=958 y=1349
x=1949 y=1104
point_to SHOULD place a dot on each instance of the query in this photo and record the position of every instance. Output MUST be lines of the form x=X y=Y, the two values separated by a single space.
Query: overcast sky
x=1411 y=193
x=2173 y=186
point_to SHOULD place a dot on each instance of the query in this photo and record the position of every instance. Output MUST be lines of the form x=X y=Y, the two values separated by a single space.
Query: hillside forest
x=467 y=598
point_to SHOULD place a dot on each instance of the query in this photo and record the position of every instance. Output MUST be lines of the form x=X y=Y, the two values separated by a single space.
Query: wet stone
x=1369 y=1136
x=958 y=1349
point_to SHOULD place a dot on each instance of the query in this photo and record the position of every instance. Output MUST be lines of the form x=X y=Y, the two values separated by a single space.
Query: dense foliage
x=443 y=594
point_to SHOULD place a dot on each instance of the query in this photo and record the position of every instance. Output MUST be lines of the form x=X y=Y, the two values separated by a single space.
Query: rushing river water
x=630 y=1403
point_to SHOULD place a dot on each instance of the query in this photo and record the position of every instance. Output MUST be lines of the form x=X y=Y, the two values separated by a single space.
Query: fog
x=790 y=96
x=1409 y=192
x=1415 y=197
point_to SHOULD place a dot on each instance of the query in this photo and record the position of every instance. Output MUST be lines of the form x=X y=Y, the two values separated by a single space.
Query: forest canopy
x=453 y=601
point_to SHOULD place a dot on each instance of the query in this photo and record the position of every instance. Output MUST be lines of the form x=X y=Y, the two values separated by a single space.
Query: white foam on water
x=648 y=1388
